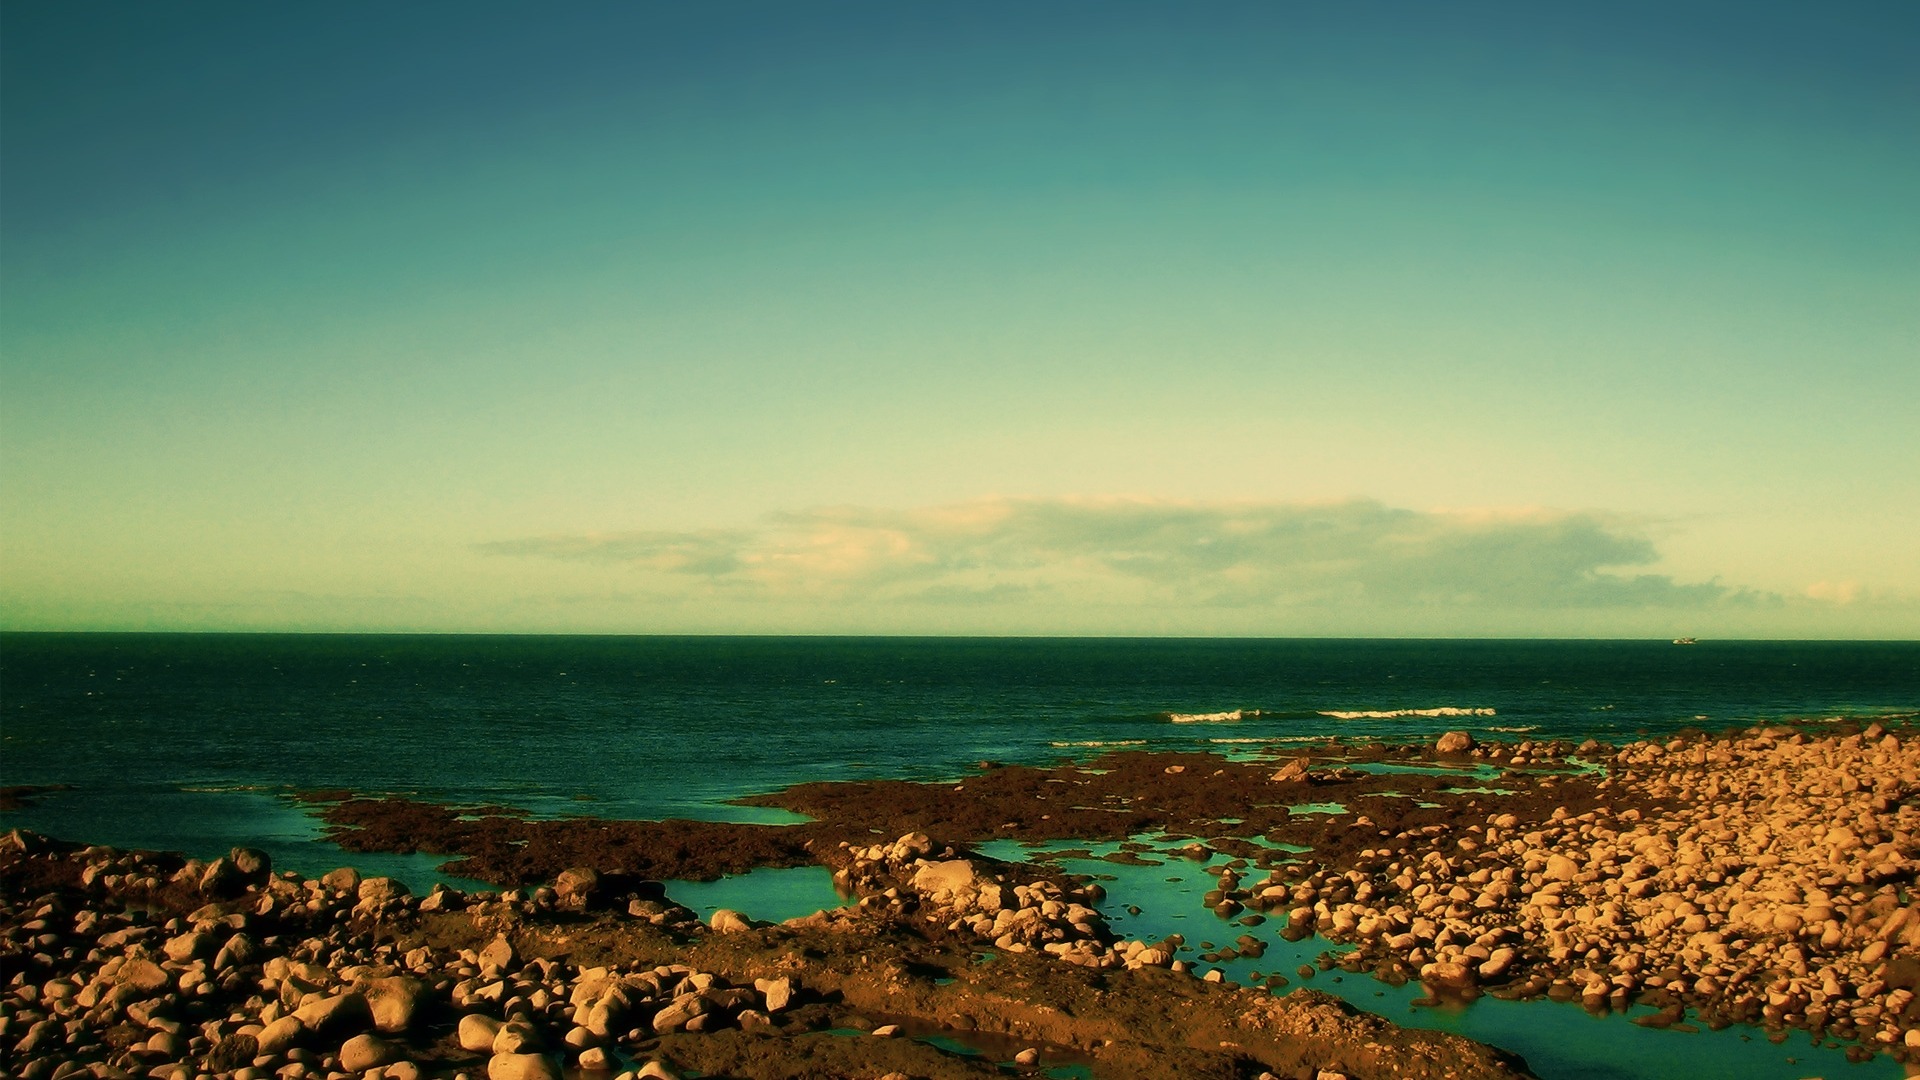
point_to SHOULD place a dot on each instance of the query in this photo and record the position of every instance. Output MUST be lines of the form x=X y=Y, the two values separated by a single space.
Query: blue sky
x=1063 y=318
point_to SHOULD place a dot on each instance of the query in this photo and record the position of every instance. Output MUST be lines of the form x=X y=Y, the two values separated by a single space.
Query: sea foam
x=1395 y=714
x=1212 y=717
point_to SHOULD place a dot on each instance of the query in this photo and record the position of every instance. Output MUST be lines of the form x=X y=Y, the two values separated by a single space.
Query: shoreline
x=1611 y=876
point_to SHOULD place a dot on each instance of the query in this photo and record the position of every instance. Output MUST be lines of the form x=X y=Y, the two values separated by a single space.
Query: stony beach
x=1761 y=877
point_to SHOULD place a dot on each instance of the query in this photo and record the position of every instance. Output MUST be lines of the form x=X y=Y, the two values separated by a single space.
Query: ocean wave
x=1212 y=717
x=1239 y=742
x=1515 y=729
x=1395 y=714
x=227 y=789
x=1100 y=743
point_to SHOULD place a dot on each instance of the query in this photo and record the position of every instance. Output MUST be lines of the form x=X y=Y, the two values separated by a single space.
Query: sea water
x=197 y=743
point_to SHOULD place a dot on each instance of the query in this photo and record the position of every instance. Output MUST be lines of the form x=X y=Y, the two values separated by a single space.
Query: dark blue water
x=152 y=731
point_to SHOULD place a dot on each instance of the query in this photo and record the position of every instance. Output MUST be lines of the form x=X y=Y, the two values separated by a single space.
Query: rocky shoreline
x=1771 y=882
x=133 y=964
x=1763 y=877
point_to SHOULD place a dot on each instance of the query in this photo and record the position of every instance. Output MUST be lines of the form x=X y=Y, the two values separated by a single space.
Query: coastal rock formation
x=1768 y=879
x=116 y=966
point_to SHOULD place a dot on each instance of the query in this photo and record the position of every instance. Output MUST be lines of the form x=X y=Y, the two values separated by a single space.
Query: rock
x=1453 y=742
x=681 y=1012
x=654 y=1070
x=522 y=1067
x=346 y=880
x=885 y=1031
x=239 y=951
x=232 y=1052
x=577 y=887
x=1447 y=975
x=222 y=880
x=394 y=1001
x=404 y=1070
x=363 y=1052
x=777 y=993
x=254 y=865
x=597 y=1059
x=499 y=954
x=1561 y=868
x=1027 y=1058
x=952 y=877
x=334 y=1015
x=477 y=1032
x=191 y=945
x=282 y=1035
x=728 y=921
x=144 y=976
x=517 y=1037
x=379 y=890
x=1293 y=772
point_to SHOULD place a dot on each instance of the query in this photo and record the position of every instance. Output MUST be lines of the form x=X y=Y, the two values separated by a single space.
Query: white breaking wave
x=1519 y=729
x=1102 y=742
x=1212 y=717
x=1239 y=742
x=1395 y=714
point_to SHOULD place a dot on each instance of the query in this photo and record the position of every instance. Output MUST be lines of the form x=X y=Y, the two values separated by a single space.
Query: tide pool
x=1561 y=1041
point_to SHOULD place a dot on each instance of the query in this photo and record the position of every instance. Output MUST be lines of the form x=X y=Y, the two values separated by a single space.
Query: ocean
x=186 y=741
x=194 y=743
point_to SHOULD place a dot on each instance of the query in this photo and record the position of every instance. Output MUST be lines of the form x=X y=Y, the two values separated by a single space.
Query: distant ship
x=1686 y=641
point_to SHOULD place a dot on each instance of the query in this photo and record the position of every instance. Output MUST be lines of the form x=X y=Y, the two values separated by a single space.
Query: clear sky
x=1263 y=318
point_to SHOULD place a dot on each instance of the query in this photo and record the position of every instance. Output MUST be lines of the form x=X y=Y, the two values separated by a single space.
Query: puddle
x=1561 y=1041
x=769 y=894
x=1387 y=768
x=207 y=822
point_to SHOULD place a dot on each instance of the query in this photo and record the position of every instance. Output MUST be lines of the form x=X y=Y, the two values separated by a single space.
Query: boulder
x=253 y=865
x=953 y=876
x=363 y=1052
x=499 y=954
x=681 y=1012
x=335 y=1014
x=1453 y=742
x=394 y=1001
x=144 y=976
x=1447 y=975
x=477 y=1032
x=729 y=921
x=379 y=890
x=191 y=945
x=281 y=1036
x=517 y=1037
x=346 y=880
x=776 y=993
x=1293 y=772
x=577 y=887
x=239 y=951
x=522 y=1067
x=222 y=880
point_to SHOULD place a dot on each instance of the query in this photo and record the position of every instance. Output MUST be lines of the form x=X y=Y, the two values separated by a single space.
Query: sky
x=1368 y=319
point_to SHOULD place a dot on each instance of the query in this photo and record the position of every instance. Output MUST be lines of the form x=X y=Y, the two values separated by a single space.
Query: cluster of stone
x=528 y=1017
x=992 y=906
x=275 y=976
x=1772 y=881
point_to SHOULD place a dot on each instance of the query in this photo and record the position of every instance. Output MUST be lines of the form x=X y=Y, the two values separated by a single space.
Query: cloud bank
x=1138 y=553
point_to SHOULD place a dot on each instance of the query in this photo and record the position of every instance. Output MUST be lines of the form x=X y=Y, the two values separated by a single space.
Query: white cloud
x=1138 y=552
